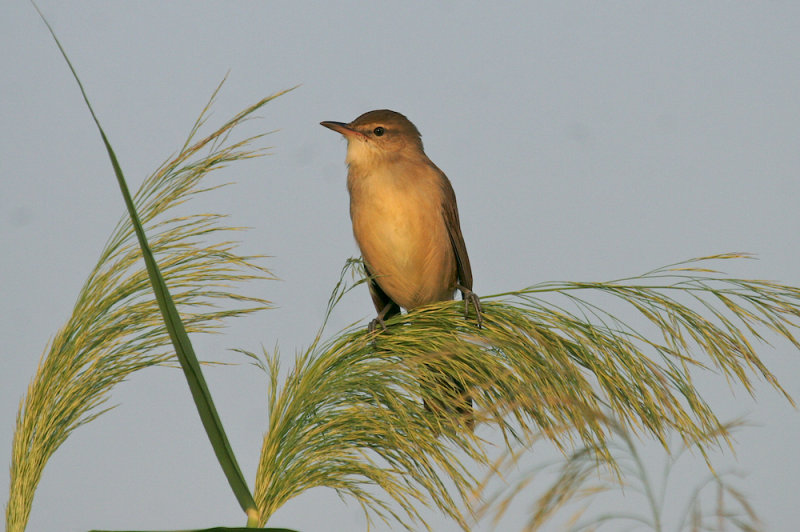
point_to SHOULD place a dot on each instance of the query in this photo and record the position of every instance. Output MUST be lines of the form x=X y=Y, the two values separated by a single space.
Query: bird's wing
x=379 y=297
x=450 y=213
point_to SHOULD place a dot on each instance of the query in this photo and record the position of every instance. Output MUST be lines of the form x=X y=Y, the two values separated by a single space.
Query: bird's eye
x=379 y=131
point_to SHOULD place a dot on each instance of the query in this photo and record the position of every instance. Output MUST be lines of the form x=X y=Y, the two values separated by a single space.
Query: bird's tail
x=450 y=401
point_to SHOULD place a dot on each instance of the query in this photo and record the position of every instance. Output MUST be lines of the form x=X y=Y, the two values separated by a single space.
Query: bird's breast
x=400 y=229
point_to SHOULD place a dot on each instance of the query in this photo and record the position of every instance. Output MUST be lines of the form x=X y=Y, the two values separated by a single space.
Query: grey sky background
x=585 y=141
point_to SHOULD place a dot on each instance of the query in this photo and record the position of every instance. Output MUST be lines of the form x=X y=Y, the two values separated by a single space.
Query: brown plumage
x=405 y=221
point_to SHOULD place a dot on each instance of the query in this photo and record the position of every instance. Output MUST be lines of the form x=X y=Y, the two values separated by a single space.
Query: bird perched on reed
x=405 y=221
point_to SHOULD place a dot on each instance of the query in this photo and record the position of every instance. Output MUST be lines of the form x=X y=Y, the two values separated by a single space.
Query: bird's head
x=378 y=135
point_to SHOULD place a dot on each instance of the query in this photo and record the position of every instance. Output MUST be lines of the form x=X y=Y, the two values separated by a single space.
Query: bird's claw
x=373 y=325
x=471 y=297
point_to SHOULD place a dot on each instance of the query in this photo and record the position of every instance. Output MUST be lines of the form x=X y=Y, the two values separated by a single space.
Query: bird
x=405 y=221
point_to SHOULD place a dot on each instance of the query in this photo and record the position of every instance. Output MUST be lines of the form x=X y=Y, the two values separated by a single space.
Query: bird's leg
x=471 y=297
x=378 y=320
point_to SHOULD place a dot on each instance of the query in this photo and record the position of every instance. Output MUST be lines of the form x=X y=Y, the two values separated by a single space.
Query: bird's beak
x=344 y=129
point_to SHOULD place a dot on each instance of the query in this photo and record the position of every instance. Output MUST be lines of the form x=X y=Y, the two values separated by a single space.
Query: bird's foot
x=471 y=298
x=389 y=307
x=373 y=325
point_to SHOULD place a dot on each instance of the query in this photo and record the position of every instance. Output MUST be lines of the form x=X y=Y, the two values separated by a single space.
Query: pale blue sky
x=585 y=141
